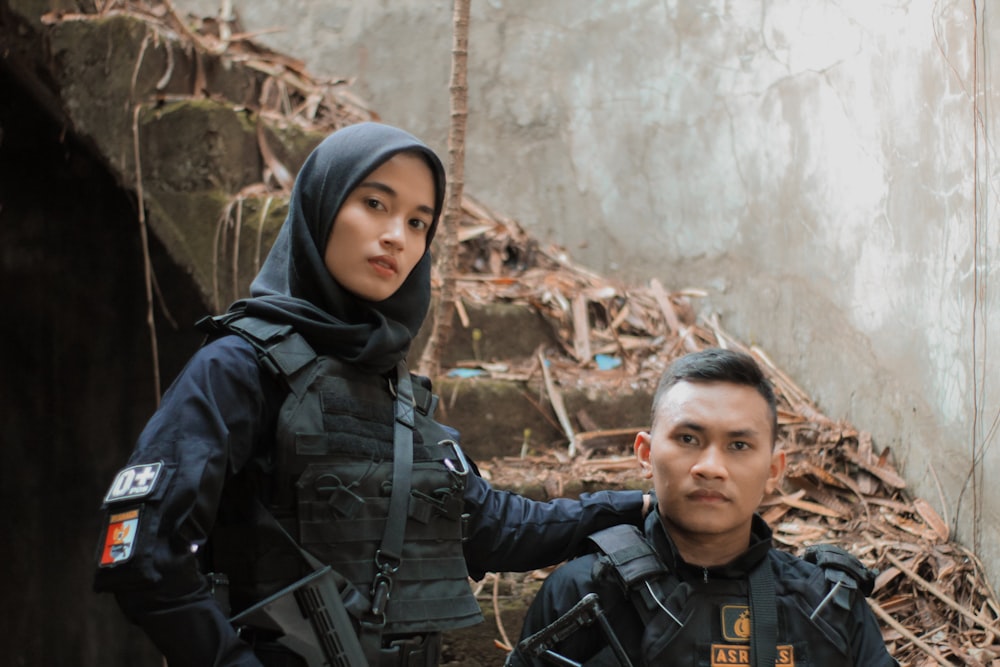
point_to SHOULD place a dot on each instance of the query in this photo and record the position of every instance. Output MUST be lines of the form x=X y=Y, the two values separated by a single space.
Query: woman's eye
x=373 y=203
x=419 y=224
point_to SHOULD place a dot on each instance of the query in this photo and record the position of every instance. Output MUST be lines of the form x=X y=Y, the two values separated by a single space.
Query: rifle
x=584 y=613
x=309 y=619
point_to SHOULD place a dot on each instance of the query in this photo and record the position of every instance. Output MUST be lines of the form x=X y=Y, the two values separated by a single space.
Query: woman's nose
x=393 y=234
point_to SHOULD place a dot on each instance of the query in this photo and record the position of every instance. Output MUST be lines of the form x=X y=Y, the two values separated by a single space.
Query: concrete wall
x=825 y=169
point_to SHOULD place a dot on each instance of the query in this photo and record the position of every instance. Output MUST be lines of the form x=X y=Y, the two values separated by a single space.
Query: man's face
x=711 y=459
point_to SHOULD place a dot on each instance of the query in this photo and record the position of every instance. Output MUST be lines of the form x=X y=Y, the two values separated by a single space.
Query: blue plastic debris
x=465 y=372
x=606 y=362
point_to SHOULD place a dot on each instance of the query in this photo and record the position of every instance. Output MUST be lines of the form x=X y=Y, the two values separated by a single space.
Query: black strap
x=633 y=557
x=280 y=349
x=763 y=616
x=389 y=555
x=642 y=574
x=837 y=562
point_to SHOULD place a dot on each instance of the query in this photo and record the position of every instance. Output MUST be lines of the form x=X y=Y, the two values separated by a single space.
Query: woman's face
x=380 y=232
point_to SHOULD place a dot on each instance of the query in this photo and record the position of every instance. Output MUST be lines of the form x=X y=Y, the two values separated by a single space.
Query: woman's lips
x=384 y=265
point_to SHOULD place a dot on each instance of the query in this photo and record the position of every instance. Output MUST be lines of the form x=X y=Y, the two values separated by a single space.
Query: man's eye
x=740 y=446
x=688 y=439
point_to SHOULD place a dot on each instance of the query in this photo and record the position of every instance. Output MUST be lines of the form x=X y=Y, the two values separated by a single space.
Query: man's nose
x=711 y=463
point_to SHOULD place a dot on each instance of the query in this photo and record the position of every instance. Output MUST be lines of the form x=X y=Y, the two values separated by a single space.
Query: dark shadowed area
x=79 y=383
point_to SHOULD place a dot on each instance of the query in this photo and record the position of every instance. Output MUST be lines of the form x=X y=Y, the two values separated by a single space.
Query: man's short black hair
x=718 y=365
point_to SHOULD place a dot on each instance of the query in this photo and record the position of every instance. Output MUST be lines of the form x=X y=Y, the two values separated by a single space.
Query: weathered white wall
x=826 y=169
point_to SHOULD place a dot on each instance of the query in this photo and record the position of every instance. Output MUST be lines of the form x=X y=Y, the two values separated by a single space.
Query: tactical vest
x=328 y=482
x=716 y=622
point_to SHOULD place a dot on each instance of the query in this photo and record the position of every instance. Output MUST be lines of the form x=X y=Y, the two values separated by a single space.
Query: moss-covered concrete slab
x=495 y=332
x=179 y=118
x=498 y=417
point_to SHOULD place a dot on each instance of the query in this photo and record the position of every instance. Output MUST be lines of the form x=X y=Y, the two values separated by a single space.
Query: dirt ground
x=483 y=644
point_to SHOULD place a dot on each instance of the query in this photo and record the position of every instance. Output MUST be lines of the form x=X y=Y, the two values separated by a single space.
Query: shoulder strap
x=642 y=575
x=633 y=558
x=763 y=615
x=285 y=353
x=844 y=573
x=280 y=349
x=389 y=555
x=841 y=565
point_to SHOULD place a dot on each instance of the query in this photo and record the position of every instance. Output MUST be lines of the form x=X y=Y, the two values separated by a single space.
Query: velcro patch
x=119 y=540
x=728 y=655
x=134 y=482
x=736 y=622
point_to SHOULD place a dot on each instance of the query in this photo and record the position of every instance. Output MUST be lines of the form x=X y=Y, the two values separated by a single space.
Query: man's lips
x=384 y=265
x=708 y=496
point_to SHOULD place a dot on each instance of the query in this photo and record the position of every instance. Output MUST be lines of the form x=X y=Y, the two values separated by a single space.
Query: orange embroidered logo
x=736 y=622
x=727 y=655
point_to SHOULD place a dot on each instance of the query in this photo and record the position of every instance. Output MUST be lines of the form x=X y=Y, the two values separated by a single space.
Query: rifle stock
x=584 y=613
x=309 y=619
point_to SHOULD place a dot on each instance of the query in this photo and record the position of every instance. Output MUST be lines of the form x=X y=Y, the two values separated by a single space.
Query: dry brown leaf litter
x=932 y=597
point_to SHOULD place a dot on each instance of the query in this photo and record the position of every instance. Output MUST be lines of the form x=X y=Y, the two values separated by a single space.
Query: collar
x=738 y=568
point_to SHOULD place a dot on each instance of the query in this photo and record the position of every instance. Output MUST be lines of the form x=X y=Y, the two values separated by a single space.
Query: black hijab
x=294 y=286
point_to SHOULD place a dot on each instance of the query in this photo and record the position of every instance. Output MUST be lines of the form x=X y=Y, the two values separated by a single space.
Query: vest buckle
x=382 y=585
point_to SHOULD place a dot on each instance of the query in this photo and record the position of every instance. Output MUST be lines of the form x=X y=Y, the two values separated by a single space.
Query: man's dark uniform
x=709 y=621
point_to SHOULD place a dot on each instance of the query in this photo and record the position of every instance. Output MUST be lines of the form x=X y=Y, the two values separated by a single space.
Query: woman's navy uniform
x=253 y=472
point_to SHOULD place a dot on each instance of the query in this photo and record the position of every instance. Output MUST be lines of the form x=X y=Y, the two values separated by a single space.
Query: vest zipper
x=704 y=572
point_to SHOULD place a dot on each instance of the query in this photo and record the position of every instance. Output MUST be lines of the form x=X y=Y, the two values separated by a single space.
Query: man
x=705 y=586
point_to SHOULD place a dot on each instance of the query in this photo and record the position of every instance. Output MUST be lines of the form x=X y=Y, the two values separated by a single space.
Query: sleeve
x=868 y=646
x=510 y=533
x=160 y=509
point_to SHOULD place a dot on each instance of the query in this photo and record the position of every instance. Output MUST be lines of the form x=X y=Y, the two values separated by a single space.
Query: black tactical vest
x=712 y=619
x=329 y=479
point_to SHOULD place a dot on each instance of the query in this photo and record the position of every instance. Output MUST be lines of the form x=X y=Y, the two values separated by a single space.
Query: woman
x=301 y=441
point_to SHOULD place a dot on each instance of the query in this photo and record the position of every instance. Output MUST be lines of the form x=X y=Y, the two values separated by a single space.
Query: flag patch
x=134 y=482
x=119 y=540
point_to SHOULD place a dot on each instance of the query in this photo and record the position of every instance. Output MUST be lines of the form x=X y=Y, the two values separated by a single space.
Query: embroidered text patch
x=134 y=482
x=727 y=655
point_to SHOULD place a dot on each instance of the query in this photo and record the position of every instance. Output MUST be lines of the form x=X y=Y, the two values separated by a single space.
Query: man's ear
x=777 y=470
x=641 y=447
